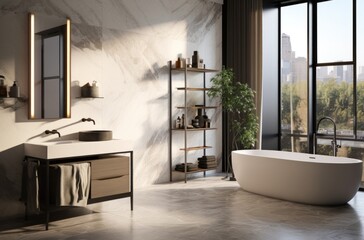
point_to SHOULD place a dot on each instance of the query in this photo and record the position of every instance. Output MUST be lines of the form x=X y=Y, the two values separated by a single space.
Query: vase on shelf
x=200 y=118
x=195 y=59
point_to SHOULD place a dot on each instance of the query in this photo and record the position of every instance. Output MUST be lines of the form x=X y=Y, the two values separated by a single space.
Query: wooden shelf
x=201 y=90
x=202 y=70
x=195 y=148
x=196 y=171
x=198 y=107
x=193 y=89
x=12 y=102
x=193 y=129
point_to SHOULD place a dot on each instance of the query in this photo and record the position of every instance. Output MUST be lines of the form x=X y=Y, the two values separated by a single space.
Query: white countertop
x=72 y=148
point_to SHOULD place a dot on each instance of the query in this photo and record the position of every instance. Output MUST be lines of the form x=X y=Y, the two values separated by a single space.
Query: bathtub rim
x=312 y=158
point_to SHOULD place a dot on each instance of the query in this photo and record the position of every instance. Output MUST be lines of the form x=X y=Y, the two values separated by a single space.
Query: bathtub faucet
x=334 y=144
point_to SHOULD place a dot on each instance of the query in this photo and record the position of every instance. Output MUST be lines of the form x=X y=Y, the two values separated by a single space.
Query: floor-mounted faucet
x=334 y=144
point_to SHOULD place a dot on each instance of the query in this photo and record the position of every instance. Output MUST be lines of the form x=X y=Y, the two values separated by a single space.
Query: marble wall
x=125 y=46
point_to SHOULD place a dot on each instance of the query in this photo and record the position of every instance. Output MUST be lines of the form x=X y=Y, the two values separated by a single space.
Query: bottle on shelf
x=3 y=87
x=180 y=63
x=183 y=121
x=195 y=59
x=178 y=123
x=14 y=91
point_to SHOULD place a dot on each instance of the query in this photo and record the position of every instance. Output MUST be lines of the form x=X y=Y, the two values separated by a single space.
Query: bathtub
x=298 y=177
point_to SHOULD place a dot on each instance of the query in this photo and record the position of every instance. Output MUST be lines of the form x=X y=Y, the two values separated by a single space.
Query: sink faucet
x=334 y=144
x=88 y=120
x=52 y=132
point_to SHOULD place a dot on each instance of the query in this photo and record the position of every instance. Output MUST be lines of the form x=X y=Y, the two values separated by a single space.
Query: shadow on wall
x=10 y=180
x=155 y=71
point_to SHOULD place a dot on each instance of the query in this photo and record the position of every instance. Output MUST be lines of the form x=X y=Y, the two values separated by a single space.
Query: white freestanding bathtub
x=298 y=177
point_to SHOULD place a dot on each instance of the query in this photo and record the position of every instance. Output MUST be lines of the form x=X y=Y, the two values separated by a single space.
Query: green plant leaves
x=237 y=99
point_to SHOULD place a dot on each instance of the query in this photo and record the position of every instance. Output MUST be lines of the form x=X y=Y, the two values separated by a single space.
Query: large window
x=335 y=31
x=337 y=80
x=294 y=77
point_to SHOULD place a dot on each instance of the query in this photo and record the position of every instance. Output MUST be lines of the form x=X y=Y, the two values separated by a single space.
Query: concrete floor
x=204 y=208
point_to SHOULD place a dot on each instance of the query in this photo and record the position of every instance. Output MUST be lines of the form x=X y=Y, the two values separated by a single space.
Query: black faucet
x=334 y=144
x=52 y=132
x=88 y=120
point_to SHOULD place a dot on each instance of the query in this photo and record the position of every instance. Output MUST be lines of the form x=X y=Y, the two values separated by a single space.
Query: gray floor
x=204 y=208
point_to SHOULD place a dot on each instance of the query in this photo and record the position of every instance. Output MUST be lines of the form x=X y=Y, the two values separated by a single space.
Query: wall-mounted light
x=31 y=66
x=68 y=69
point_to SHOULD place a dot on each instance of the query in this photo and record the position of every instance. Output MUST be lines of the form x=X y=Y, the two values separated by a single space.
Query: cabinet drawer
x=107 y=187
x=110 y=167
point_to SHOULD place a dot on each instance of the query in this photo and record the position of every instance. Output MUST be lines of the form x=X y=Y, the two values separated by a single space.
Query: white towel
x=73 y=184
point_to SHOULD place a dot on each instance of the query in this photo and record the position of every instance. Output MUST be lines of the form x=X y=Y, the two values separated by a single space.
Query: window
x=335 y=31
x=294 y=77
x=337 y=79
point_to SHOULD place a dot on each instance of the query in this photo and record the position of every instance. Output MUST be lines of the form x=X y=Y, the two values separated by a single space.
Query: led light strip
x=31 y=67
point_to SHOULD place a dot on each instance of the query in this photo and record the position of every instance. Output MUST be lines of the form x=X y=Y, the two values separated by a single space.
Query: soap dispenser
x=14 y=91
x=3 y=88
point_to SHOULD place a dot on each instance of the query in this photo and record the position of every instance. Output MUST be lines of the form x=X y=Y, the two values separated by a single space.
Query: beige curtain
x=254 y=55
x=244 y=46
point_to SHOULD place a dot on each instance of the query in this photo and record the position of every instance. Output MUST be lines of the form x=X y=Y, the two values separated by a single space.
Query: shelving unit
x=185 y=108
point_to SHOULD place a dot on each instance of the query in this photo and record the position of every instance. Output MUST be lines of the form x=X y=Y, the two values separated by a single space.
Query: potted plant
x=237 y=101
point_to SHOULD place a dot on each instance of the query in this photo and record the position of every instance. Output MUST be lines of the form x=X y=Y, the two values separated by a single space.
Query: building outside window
x=338 y=78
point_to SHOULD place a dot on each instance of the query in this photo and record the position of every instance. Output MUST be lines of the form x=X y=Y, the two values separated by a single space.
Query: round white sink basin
x=95 y=135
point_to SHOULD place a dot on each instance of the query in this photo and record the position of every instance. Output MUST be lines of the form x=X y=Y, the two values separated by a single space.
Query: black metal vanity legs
x=122 y=186
x=47 y=197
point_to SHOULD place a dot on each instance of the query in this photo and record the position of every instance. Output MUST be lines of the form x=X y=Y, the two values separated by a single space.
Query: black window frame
x=312 y=65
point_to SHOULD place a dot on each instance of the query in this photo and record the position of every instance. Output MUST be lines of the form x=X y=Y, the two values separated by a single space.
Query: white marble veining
x=125 y=46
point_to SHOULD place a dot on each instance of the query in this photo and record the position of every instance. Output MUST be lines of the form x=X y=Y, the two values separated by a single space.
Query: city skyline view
x=334 y=38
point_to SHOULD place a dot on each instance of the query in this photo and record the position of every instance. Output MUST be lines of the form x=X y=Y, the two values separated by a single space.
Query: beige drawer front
x=110 y=167
x=107 y=187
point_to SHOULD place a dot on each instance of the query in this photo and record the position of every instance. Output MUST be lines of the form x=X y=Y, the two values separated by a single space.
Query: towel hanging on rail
x=72 y=184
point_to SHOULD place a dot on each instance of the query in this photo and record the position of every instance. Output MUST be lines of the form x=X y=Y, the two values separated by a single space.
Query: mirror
x=49 y=67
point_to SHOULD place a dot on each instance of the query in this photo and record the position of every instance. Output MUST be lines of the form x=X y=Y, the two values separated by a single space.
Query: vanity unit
x=111 y=168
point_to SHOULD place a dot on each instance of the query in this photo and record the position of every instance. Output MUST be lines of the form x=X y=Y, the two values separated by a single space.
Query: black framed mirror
x=49 y=68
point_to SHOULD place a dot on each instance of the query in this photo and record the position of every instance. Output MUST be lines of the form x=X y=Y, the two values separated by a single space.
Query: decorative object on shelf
x=200 y=63
x=94 y=90
x=90 y=91
x=188 y=63
x=195 y=123
x=195 y=59
x=3 y=87
x=180 y=62
x=200 y=118
x=183 y=121
x=14 y=91
x=178 y=123
x=207 y=162
x=207 y=123
x=237 y=102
